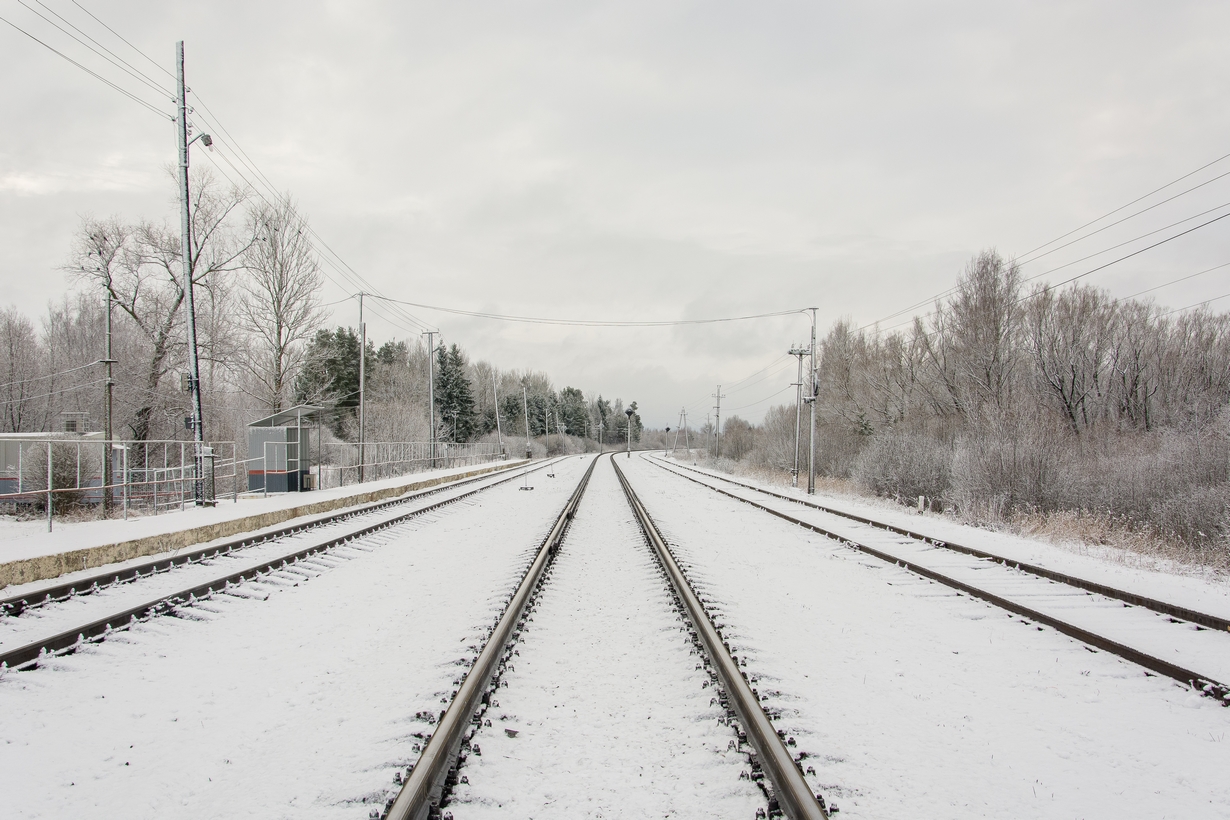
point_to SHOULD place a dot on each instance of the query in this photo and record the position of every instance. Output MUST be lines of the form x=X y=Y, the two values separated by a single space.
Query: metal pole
x=106 y=467
x=815 y=392
x=49 y=476
x=525 y=405
x=798 y=417
x=431 y=393
x=125 y=469
x=495 y=389
x=194 y=365
x=628 y=413
x=362 y=381
x=717 y=425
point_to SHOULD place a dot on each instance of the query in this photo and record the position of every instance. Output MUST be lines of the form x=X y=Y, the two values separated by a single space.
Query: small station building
x=280 y=451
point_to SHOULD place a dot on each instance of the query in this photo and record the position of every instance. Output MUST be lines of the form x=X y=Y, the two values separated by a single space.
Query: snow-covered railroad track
x=1163 y=638
x=41 y=595
x=279 y=698
x=912 y=699
x=1204 y=619
x=92 y=608
x=609 y=714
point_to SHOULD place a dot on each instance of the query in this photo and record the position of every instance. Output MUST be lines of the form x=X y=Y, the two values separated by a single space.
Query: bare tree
x=140 y=266
x=279 y=307
x=19 y=371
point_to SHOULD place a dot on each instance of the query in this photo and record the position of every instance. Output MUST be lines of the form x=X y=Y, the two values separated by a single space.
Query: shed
x=279 y=451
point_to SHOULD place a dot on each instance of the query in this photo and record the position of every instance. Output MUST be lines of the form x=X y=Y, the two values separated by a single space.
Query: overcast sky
x=646 y=161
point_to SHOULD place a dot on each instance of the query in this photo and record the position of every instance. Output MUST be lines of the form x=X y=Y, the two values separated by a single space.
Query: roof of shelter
x=286 y=418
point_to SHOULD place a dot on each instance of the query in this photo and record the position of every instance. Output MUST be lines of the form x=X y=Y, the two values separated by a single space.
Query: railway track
x=426 y=787
x=388 y=513
x=1134 y=627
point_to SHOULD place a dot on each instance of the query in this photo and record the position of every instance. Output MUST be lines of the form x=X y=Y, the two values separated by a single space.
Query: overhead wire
x=1079 y=228
x=109 y=56
x=591 y=322
x=89 y=71
x=1086 y=273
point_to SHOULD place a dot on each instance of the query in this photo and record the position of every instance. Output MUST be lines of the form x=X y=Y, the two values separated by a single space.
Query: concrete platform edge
x=43 y=567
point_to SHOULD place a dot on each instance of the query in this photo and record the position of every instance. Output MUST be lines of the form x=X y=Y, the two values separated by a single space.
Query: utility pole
x=431 y=392
x=362 y=383
x=110 y=384
x=525 y=405
x=687 y=441
x=717 y=428
x=675 y=444
x=194 y=364
x=546 y=430
x=799 y=352
x=495 y=390
x=815 y=393
x=601 y=438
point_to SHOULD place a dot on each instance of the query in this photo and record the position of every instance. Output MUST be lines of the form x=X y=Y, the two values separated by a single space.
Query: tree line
x=262 y=342
x=1009 y=401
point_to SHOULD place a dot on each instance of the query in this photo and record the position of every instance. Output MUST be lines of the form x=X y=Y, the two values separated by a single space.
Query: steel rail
x=790 y=789
x=1205 y=684
x=1162 y=607
x=71 y=638
x=16 y=604
x=420 y=795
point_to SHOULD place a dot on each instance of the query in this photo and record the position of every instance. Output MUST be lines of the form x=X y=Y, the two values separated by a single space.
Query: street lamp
x=628 y=413
x=664 y=442
x=194 y=367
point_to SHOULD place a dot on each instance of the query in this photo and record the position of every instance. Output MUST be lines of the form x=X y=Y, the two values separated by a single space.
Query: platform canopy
x=291 y=417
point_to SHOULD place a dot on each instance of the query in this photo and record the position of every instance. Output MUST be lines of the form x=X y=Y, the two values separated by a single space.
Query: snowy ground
x=293 y=697
x=604 y=713
x=29 y=538
x=913 y=701
x=41 y=622
x=1203 y=592
x=1201 y=650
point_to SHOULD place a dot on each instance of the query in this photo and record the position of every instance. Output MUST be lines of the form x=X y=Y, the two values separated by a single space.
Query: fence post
x=49 y=475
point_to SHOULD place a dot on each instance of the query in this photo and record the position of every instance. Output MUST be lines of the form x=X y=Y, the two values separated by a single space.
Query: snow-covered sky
x=644 y=161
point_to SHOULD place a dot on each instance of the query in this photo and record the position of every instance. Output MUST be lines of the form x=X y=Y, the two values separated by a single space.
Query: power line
x=1173 y=282
x=152 y=62
x=588 y=322
x=110 y=56
x=48 y=376
x=1022 y=261
x=92 y=73
x=1198 y=304
x=946 y=292
x=1088 y=272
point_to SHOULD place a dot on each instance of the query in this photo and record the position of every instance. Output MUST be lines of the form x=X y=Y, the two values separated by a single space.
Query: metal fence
x=55 y=475
x=339 y=464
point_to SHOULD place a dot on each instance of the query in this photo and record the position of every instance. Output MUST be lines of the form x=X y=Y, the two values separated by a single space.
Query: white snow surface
x=610 y=715
x=1205 y=593
x=293 y=697
x=1203 y=651
x=912 y=701
x=29 y=538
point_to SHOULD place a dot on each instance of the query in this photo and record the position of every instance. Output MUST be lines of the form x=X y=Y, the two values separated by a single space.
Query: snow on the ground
x=913 y=701
x=1206 y=652
x=51 y=619
x=29 y=538
x=1202 y=592
x=610 y=715
x=293 y=697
